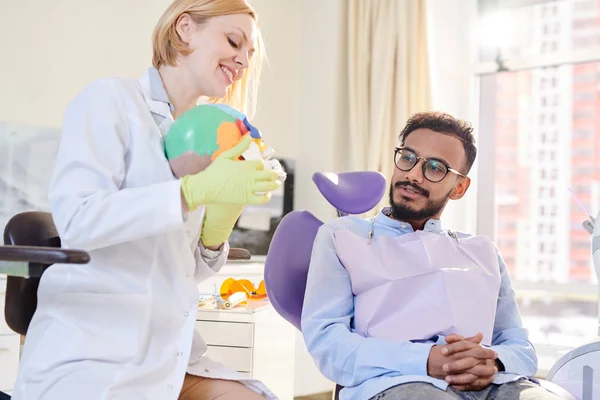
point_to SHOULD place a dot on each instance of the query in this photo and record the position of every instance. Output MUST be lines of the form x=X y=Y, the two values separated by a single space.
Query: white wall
x=277 y=114
x=302 y=110
x=51 y=49
x=302 y=105
x=450 y=28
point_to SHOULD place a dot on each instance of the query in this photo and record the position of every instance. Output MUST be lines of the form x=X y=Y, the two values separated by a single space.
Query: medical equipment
x=207 y=301
x=199 y=136
x=210 y=129
x=234 y=300
x=578 y=371
x=231 y=286
x=288 y=259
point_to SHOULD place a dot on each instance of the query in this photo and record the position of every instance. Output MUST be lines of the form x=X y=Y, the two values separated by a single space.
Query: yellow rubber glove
x=219 y=221
x=228 y=180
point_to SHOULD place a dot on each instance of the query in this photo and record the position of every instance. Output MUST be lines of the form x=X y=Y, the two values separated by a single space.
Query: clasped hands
x=463 y=363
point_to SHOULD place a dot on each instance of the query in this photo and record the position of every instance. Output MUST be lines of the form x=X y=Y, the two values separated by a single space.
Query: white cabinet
x=254 y=341
x=307 y=378
x=9 y=361
x=10 y=344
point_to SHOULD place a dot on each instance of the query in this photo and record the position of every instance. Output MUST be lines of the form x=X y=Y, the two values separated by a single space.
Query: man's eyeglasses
x=433 y=170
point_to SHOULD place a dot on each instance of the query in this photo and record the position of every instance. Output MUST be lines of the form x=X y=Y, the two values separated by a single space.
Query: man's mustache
x=414 y=186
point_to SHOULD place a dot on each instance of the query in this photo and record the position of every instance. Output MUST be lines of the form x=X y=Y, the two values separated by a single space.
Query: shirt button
x=403 y=226
x=170 y=386
x=186 y=314
x=179 y=354
x=206 y=370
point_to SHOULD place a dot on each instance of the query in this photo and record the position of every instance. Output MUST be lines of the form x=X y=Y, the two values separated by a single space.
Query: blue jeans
x=518 y=390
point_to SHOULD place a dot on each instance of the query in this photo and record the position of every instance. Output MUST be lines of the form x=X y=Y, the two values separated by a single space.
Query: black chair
x=32 y=237
x=31 y=246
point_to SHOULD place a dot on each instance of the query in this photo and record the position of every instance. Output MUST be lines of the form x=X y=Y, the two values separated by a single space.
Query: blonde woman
x=122 y=326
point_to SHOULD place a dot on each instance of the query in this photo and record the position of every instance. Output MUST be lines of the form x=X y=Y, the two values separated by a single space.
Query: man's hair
x=447 y=124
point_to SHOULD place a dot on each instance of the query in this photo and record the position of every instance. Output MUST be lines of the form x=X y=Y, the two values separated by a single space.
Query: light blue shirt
x=366 y=366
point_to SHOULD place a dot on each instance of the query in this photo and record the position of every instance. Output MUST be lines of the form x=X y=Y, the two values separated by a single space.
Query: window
x=584 y=96
x=583 y=133
x=556 y=117
x=581 y=245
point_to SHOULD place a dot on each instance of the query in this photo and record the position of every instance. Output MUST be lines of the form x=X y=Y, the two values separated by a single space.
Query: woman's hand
x=228 y=180
x=219 y=221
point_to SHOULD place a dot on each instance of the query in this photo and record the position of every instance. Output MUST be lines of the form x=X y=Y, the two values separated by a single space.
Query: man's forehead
x=430 y=144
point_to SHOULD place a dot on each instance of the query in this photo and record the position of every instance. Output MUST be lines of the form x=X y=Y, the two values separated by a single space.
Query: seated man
x=397 y=308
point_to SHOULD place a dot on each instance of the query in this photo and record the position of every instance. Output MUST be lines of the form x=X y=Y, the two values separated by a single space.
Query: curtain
x=389 y=79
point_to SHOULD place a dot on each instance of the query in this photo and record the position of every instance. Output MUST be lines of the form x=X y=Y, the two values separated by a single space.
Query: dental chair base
x=578 y=372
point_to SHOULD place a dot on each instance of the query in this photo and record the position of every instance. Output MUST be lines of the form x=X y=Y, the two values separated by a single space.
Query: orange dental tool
x=231 y=286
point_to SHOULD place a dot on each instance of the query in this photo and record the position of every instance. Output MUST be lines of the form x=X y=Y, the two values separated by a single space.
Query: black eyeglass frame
x=397 y=150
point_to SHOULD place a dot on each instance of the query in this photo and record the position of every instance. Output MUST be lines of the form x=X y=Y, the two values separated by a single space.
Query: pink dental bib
x=421 y=284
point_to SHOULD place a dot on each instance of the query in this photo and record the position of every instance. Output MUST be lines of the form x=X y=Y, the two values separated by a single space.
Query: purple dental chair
x=286 y=264
x=288 y=258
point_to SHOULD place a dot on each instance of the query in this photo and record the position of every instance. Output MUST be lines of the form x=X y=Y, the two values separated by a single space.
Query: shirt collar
x=157 y=89
x=434 y=225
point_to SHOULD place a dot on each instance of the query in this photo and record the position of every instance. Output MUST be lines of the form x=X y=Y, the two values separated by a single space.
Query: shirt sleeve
x=209 y=262
x=510 y=339
x=342 y=355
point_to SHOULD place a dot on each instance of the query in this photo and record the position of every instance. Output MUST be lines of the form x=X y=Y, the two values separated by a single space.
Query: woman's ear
x=185 y=27
x=460 y=188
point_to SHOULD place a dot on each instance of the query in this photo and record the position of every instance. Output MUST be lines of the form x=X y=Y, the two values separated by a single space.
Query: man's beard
x=403 y=212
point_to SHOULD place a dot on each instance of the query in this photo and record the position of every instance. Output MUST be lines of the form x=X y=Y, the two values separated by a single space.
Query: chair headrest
x=31 y=228
x=351 y=192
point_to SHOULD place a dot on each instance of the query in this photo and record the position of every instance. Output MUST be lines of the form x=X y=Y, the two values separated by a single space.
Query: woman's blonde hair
x=167 y=45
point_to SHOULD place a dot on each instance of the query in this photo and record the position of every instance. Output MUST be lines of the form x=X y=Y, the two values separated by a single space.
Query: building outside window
x=539 y=106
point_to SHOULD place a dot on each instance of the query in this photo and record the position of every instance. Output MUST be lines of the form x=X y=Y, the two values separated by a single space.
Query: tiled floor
x=322 y=396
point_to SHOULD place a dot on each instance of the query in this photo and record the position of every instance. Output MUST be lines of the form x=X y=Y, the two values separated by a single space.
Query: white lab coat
x=122 y=326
